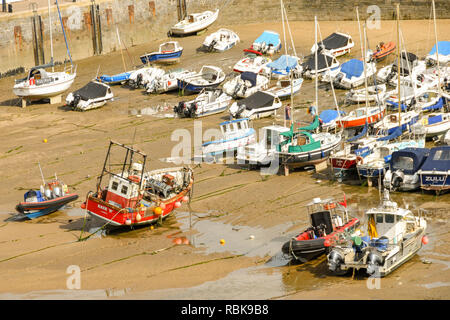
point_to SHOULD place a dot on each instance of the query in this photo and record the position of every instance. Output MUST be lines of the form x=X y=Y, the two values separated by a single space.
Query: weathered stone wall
x=143 y=21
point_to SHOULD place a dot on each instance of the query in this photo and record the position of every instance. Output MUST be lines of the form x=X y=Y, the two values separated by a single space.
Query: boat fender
x=374 y=261
x=359 y=160
x=134 y=179
x=335 y=259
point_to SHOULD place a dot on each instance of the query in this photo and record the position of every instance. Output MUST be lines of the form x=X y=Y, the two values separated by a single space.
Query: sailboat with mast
x=41 y=84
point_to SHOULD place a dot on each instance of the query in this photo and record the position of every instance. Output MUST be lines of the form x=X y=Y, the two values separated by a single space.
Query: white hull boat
x=234 y=134
x=195 y=22
x=208 y=77
x=283 y=88
x=141 y=77
x=93 y=95
x=40 y=84
x=434 y=124
x=336 y=44
x=221 y=40
x=374 y=93
x=253 y=63
x=245 y=84
x=325 y=62
x=390 y=122
x=208 y=102
x=168 y=81
x=349 y=78
x=259 y=105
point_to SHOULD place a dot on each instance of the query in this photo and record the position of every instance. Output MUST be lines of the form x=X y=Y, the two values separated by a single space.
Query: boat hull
x=169 y=57
x=37 y=209
x=49 y=90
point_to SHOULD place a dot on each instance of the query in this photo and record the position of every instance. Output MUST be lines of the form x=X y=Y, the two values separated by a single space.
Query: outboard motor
x=211 y=45
x=139 y=79
x=337 y=80
x=374 y=261
x=397 y=180
x=390 y=76
x=179 y=109
x=75 y=101
x=335 y=259
x=236 y=89
x=192 y=109
x=241 y=108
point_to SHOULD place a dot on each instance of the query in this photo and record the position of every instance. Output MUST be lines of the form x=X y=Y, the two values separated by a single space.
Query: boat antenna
x=437 y=48
x=121 y=50
x=363 y=58
x=42 y=175
x=398 y=68
x=64 y=33
x=315 y=61
x=365 y=77
x=51 y=36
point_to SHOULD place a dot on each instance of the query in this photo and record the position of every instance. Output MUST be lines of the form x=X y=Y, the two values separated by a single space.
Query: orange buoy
x=83 y=205
x=222 y=241
x=425 y=240
x=185 y=241
x=158 y=211
x=45 y=140
x=185 y=199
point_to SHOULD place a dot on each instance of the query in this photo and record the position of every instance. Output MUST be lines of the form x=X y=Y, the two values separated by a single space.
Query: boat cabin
x=271 y=136
x=408 y=160
x=123 y=190
x=231 y=127
x=170 y=46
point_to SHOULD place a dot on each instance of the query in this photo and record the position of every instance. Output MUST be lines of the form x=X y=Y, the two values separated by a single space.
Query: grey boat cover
x=257 y=100
x=310 y=63
x=249 y=76
x=334 y=41
x=406 y=58
x=91 y=91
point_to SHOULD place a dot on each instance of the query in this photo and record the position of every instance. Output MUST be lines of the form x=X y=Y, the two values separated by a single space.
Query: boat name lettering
x=434 y=179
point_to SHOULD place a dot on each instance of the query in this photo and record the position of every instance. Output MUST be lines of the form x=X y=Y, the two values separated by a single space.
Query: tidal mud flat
x=229 y=202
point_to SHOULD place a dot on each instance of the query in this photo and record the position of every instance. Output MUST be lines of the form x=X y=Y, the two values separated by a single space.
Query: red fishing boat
x=359 y=117
x=133 y=196
x=383 y=50
x=329 y=220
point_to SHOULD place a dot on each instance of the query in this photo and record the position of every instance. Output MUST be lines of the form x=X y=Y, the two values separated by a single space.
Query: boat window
x=114 y=185
x=389 y=218
x=124 y=189
x=360 y=113
x=442 y=155
x=238 y=125
x=379 y=218
x=403 y=163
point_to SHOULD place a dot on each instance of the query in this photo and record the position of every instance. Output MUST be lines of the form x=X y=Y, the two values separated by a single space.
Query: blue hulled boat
x=435 y=172
x=169 y=52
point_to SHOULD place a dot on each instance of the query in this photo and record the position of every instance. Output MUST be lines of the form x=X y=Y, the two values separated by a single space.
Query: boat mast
x=363 y=53
x=315 y=61
x=398 y=67
x=283 y=16
x=437 y=48
x=365 y=77
x=64 y=33
x=51 y=35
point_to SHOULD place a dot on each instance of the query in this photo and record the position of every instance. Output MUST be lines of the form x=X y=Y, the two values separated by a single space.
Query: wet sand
x=229 y=202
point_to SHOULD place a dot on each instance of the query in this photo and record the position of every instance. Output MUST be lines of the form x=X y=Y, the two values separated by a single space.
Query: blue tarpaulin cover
x=353 y=68
x=283 y=63
x=329 y=115
x=397 y=133
x=417 y=154
x=437 y=105
x=269 y=37
x=391 y=105
x=360 y=135
x=439 y=159
x=444 y=48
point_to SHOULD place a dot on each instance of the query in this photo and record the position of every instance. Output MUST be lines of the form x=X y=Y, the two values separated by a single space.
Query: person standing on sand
x=287 y=114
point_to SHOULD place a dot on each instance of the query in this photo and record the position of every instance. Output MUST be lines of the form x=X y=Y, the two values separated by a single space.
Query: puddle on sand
x=165 y=111
x=250 y=241
x=436 y=285
x=66 y=294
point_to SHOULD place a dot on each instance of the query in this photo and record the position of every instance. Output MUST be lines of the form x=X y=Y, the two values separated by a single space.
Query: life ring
x=329 y=206
x=359 y=160
x=134 y=179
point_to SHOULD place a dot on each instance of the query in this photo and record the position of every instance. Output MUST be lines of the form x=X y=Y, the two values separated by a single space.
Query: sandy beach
x=229 y=202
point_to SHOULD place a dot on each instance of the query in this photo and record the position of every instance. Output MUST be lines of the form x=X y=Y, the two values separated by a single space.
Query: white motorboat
x=169 y=52
x=443 y=53
x=141 y=77
x=208 y=102
x=336 y=44
x=352 y=75
x=245 y=84
x=253 y=62
x=325 y=62
x=267 y=43
x=93 y=95
x=391 y=122
x=284 y=65
x=435 y=124
x=258 y=105
x=195 y=22
x=208 y=77
x=168 y=81
x=221 y=40
x=263 y=152
x=283 y=88
x=40 y=84
x=393 y=236
x=374 y=93
x=234 y=134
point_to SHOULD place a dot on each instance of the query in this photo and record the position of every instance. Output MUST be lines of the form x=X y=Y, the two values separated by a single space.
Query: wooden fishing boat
x=133 y=196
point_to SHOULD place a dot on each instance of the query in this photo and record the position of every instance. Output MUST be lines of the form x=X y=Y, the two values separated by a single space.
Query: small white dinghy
x=253 y=62
x=234 y=134
x=168 y=81
x=221 y=40
x=208 y=102
x=374 y=93
x=93 y=95
x=258 y=105
x=283 y=88
x=194 y=22
x=245 y=84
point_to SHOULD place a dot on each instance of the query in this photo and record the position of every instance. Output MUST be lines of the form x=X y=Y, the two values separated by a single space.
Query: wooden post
x=286 y=170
